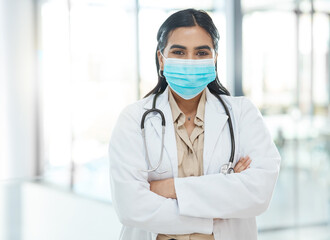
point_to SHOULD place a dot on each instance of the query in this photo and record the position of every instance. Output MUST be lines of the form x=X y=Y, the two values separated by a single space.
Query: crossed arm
x=166 y=188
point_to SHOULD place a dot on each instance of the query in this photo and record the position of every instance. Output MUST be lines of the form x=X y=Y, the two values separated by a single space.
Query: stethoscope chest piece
x=227 y=168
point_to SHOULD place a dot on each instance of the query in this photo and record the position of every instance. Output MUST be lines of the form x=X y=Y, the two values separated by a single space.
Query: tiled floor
x=308 y=233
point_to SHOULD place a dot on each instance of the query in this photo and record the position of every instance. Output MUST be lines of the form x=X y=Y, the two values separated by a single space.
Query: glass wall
x=286 y=73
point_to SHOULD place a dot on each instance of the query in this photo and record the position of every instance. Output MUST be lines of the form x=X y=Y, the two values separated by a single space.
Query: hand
x=164 y=187
x=242 y=164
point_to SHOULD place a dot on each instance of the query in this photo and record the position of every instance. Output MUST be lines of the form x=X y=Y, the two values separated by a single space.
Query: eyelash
x=204 y=53
x=178 y=52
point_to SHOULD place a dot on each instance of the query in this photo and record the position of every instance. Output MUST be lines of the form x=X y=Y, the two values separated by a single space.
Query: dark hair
x=187 y=18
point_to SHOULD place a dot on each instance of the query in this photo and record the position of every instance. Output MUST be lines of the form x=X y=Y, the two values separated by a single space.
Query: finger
x=244 y=164
x=239 y=169
x=246 y=158
x=242 y=159
x=247 y=163
x=239 y=164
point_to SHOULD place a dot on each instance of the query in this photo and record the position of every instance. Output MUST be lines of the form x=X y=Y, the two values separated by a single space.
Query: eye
x=202 y=53
x=177 y=52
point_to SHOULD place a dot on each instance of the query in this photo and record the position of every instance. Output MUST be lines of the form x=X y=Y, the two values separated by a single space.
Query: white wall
x=17 y=89
x=3 y=97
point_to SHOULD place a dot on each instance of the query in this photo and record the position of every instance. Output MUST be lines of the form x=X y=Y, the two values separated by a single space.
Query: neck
x=187 y=106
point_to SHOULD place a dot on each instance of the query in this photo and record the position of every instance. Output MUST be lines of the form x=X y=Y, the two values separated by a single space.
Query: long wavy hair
x=187 y=18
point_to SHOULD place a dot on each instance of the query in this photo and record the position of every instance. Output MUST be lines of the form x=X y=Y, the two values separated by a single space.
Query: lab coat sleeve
x=135 y=204
x=237 y=195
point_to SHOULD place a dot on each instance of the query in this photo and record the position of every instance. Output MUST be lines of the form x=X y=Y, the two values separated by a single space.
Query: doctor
x=168 y=184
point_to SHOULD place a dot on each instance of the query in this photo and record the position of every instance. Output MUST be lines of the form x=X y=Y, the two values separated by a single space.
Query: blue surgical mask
x=189 y=77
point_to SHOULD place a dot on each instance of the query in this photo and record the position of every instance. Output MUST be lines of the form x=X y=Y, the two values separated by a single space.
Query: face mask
x=189 y=77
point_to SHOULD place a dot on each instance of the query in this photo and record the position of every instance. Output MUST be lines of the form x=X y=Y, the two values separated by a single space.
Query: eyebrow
x=203 y=47
x=196 y=48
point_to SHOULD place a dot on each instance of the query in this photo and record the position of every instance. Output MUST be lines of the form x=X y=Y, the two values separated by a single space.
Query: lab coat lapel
x=214 y=122
x=155 y=119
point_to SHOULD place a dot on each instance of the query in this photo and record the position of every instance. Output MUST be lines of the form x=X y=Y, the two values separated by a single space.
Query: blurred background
x=68 y=67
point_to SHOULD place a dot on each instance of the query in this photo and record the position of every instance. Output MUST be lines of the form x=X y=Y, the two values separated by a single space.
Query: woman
x=175 y=189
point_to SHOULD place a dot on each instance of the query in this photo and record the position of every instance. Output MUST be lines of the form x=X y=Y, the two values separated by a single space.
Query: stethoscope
x=225 y=168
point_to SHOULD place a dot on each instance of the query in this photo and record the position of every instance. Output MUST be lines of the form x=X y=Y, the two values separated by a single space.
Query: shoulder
x=129 y=120
x=240 y=105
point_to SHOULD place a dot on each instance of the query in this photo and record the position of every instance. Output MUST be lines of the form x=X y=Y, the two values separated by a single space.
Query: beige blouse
x=190 y=153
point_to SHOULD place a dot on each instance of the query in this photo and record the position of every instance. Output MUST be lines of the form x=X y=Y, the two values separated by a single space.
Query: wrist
x=172 y=188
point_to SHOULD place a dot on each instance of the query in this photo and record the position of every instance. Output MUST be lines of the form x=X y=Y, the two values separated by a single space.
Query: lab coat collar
x=214 y=122
x=162 y=101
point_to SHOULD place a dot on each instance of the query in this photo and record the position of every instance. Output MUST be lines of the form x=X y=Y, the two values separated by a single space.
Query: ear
x=216 y=58
x=160 y=60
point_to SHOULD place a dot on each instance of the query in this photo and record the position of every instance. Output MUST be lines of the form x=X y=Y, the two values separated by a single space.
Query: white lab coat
x=235 y=198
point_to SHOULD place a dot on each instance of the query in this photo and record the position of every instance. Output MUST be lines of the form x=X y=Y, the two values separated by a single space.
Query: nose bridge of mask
x=188 y=66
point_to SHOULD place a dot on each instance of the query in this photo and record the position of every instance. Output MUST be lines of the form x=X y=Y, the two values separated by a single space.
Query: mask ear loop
x=213 y=54
x=162 y=55
x=159 y=71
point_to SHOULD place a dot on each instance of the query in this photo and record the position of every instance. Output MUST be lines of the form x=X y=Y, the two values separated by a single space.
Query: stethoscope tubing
x=153 y=109
x=229 y=168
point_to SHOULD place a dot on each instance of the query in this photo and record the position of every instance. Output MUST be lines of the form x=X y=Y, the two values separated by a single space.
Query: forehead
x=190 y=37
